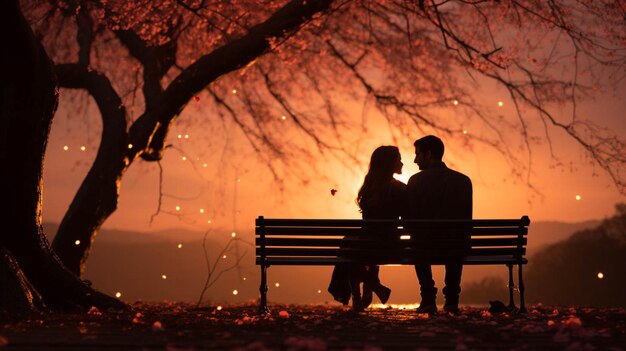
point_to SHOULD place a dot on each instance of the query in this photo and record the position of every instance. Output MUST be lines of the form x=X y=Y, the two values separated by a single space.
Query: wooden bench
x=326 y=242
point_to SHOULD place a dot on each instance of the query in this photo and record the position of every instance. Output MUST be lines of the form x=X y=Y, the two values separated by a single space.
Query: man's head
x=428 y=150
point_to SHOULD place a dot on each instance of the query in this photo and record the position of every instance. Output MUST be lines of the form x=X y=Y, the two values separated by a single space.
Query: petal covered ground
x=174 y=326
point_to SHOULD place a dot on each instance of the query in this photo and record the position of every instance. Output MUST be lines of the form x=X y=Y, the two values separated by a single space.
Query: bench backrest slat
x=334 y=231
x=346 y=223
x=325 y=242
x=408 y=252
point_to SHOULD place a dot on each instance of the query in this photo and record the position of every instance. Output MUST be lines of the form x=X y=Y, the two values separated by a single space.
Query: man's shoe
x=453 y=309
x=383 y=293
x=427 y=308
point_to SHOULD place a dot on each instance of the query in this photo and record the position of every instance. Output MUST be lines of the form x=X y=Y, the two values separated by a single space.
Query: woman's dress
x=392 y=204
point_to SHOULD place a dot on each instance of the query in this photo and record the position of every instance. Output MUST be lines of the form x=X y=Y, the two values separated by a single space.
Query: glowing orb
x=130 y=146
x=500 y=103
x=180 y=246
x=600 y=275
x=244 y=278
x=234 y=91
x=77 y=242
x=65 y=148
x=277 y=285
x=177 y=208
x=184 y=158
x=209 y=221
x=283 y=117
x=204 y=165
x=163 y=277
x=180 y=136
x=224 y=256
x=455 y=102
x=405 y=237
x=235 y=292
x=233 y=234
x=219 y=308
x=186 y=136
x=82 y=148
x=118 y=294
x=578 y=197
x=319 y=291
x=464 y=131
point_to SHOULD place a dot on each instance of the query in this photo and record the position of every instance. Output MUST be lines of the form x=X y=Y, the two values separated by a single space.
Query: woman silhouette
x=380 y=197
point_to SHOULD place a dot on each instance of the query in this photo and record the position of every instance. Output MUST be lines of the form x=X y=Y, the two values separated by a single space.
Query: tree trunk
x=97 y=196
x=17 y=295
x=29 y=100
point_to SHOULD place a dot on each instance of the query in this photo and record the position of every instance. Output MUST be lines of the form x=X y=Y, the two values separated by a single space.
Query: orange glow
x=163 y=277
x=600 y=275
x=118 y=294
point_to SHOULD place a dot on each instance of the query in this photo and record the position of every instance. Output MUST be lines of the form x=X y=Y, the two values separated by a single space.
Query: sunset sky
x=214 y=180
x=219 y=179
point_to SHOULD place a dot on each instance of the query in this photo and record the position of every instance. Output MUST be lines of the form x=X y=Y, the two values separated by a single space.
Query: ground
x=174 y=326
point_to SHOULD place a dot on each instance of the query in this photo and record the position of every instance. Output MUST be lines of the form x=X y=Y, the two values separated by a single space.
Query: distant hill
x=127 y=236
x=587 y=268
x=133 y=263
x=541 y=234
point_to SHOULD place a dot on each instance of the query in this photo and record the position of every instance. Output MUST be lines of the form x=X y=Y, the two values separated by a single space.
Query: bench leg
x=511 y=286
x=522 y=307
x=263 y=309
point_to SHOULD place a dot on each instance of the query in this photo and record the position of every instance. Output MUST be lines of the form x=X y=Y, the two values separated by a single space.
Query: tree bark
x=29 y=100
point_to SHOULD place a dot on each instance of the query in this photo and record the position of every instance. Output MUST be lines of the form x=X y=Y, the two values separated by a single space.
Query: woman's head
x=385 y=161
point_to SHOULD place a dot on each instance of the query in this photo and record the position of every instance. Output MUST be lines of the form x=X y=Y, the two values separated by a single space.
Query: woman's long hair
x=379 y=174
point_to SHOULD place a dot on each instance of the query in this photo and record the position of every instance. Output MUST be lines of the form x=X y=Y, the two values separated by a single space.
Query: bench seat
x=327 y=242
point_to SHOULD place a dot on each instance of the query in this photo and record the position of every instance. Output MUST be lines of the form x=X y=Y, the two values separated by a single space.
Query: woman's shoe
x=382 y=292
x=357 y=304
x=367 y=296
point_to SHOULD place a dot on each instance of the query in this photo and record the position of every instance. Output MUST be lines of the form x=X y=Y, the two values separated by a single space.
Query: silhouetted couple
x=436 y=192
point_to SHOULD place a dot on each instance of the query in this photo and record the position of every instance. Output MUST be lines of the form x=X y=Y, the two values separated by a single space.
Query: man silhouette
x=437 y=192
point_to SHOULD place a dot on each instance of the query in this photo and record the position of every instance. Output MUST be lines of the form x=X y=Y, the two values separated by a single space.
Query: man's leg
x=453 y=287
x=428 y=291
